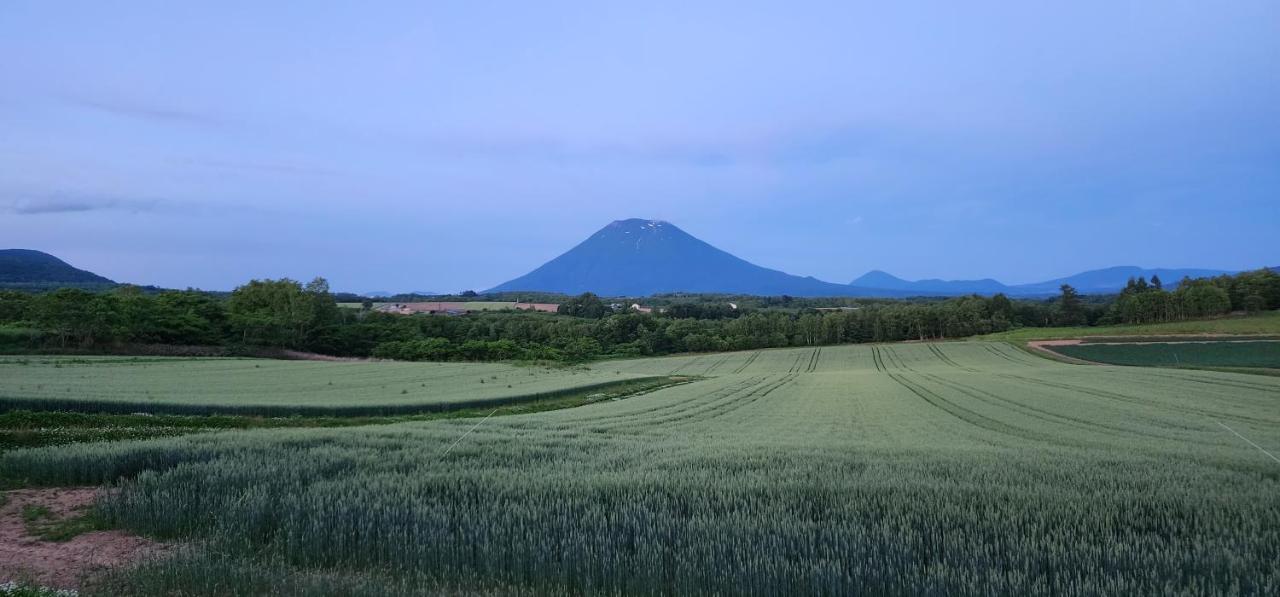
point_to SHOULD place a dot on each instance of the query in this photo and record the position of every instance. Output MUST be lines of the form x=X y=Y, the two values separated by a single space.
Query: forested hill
x=25 y=268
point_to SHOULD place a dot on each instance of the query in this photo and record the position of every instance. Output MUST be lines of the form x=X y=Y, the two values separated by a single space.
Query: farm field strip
x=280 y=385
x=969 y=466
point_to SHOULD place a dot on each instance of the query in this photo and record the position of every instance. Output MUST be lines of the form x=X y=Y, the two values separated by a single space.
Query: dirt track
x=1042 y=346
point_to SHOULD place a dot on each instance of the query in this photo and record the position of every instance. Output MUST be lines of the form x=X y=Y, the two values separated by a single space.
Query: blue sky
x=443 y=146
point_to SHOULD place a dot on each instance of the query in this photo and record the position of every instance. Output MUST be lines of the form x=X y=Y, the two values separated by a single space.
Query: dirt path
x=1042 y=346
x=64 y=564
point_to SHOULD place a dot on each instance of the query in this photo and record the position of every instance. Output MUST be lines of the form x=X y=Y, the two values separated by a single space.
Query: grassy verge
x=43 y=524
x=29 y=429
x=1260 y=324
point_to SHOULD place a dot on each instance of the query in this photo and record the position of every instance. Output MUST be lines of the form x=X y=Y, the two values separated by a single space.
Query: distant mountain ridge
x=880 y=279
x=637 y=257
x=27 y=268
x=1099 y=281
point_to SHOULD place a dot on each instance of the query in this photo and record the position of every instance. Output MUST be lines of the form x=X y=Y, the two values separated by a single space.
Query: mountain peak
x=639 y=222
x=876 y=277
x=638 y=257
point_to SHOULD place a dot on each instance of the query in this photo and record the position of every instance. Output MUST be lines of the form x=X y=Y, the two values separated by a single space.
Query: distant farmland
x=951 y=468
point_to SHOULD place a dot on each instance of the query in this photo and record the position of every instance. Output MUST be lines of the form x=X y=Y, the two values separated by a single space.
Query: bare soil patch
x=1043 y=347
x=62 y=564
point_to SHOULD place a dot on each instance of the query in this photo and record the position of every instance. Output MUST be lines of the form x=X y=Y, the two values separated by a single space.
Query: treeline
x=1144 y=301
x=285 y=314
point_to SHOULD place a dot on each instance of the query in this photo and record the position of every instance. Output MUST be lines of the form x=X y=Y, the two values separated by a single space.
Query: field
x=270 y=387
x=1179 y=354
x=1267 y=324
x=950 y=468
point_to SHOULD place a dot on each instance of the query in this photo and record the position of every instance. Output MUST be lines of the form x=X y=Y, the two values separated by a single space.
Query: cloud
x=272 y=167
x=148 y=112
x=71 y=203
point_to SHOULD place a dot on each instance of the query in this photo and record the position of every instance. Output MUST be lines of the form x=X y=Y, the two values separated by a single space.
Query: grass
x=1260 y=324
x=29 y=429
x=42 y=523
x=950 y=468
x=207 y=386
x=16 y=589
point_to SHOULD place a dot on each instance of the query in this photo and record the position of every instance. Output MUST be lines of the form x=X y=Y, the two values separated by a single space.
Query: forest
x=288 y=315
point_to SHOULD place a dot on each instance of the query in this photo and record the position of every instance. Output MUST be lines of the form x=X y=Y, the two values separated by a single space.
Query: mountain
x=34 y=269
x=879 y=279
x=1113 y=279
x=1100 y=281
x=643 y=257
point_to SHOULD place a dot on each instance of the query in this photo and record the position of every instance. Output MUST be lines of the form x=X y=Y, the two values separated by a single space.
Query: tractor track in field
x=1031 y=411
x=935 y=349
x=813 y=360
x=740 y=396
x=877 y=359
x=751 y=359
x=681 y=406
x=1233 y=383
x=969 y=416
x=717 y=364
x=1132 y=400
x=992 y=350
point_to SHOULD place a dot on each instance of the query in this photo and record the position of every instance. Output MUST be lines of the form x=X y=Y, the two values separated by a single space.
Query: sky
x=441 y=146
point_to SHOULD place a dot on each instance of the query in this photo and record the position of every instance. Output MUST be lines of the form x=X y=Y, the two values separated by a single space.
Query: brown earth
x=62 y=564
x=1042 y=346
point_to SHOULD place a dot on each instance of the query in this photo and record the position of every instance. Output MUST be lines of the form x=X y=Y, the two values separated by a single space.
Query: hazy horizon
x=452 y=147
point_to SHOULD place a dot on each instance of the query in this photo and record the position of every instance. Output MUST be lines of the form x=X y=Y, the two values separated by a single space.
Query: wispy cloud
x=151 y=112
x=272 y=167
x=75 y=203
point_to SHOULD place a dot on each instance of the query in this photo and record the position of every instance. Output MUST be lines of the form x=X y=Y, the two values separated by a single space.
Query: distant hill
x=643 y=257
x=25 y=268
x=1100 y=281
x=879 y=279
x=1113 y=279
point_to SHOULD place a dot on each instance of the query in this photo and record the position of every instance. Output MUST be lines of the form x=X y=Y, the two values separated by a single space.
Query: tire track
x=972 y=417
x=751 y=359
x=938 y=351
x=1037 y=413
x=1130 y=399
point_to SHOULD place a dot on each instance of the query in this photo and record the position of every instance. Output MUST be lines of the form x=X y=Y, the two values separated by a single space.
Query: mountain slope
x=1100 y=281
x=879 y=279
x=35 y=269
x=643 y=257
x=1113 y=279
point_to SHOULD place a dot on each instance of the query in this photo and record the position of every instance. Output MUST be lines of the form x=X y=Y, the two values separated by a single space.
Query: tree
x=272 y=313
x=1156 y=283
x=584 y=305
x=1254 y=303
x=14 y=305
x=1071 y=308
x=78 y=316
